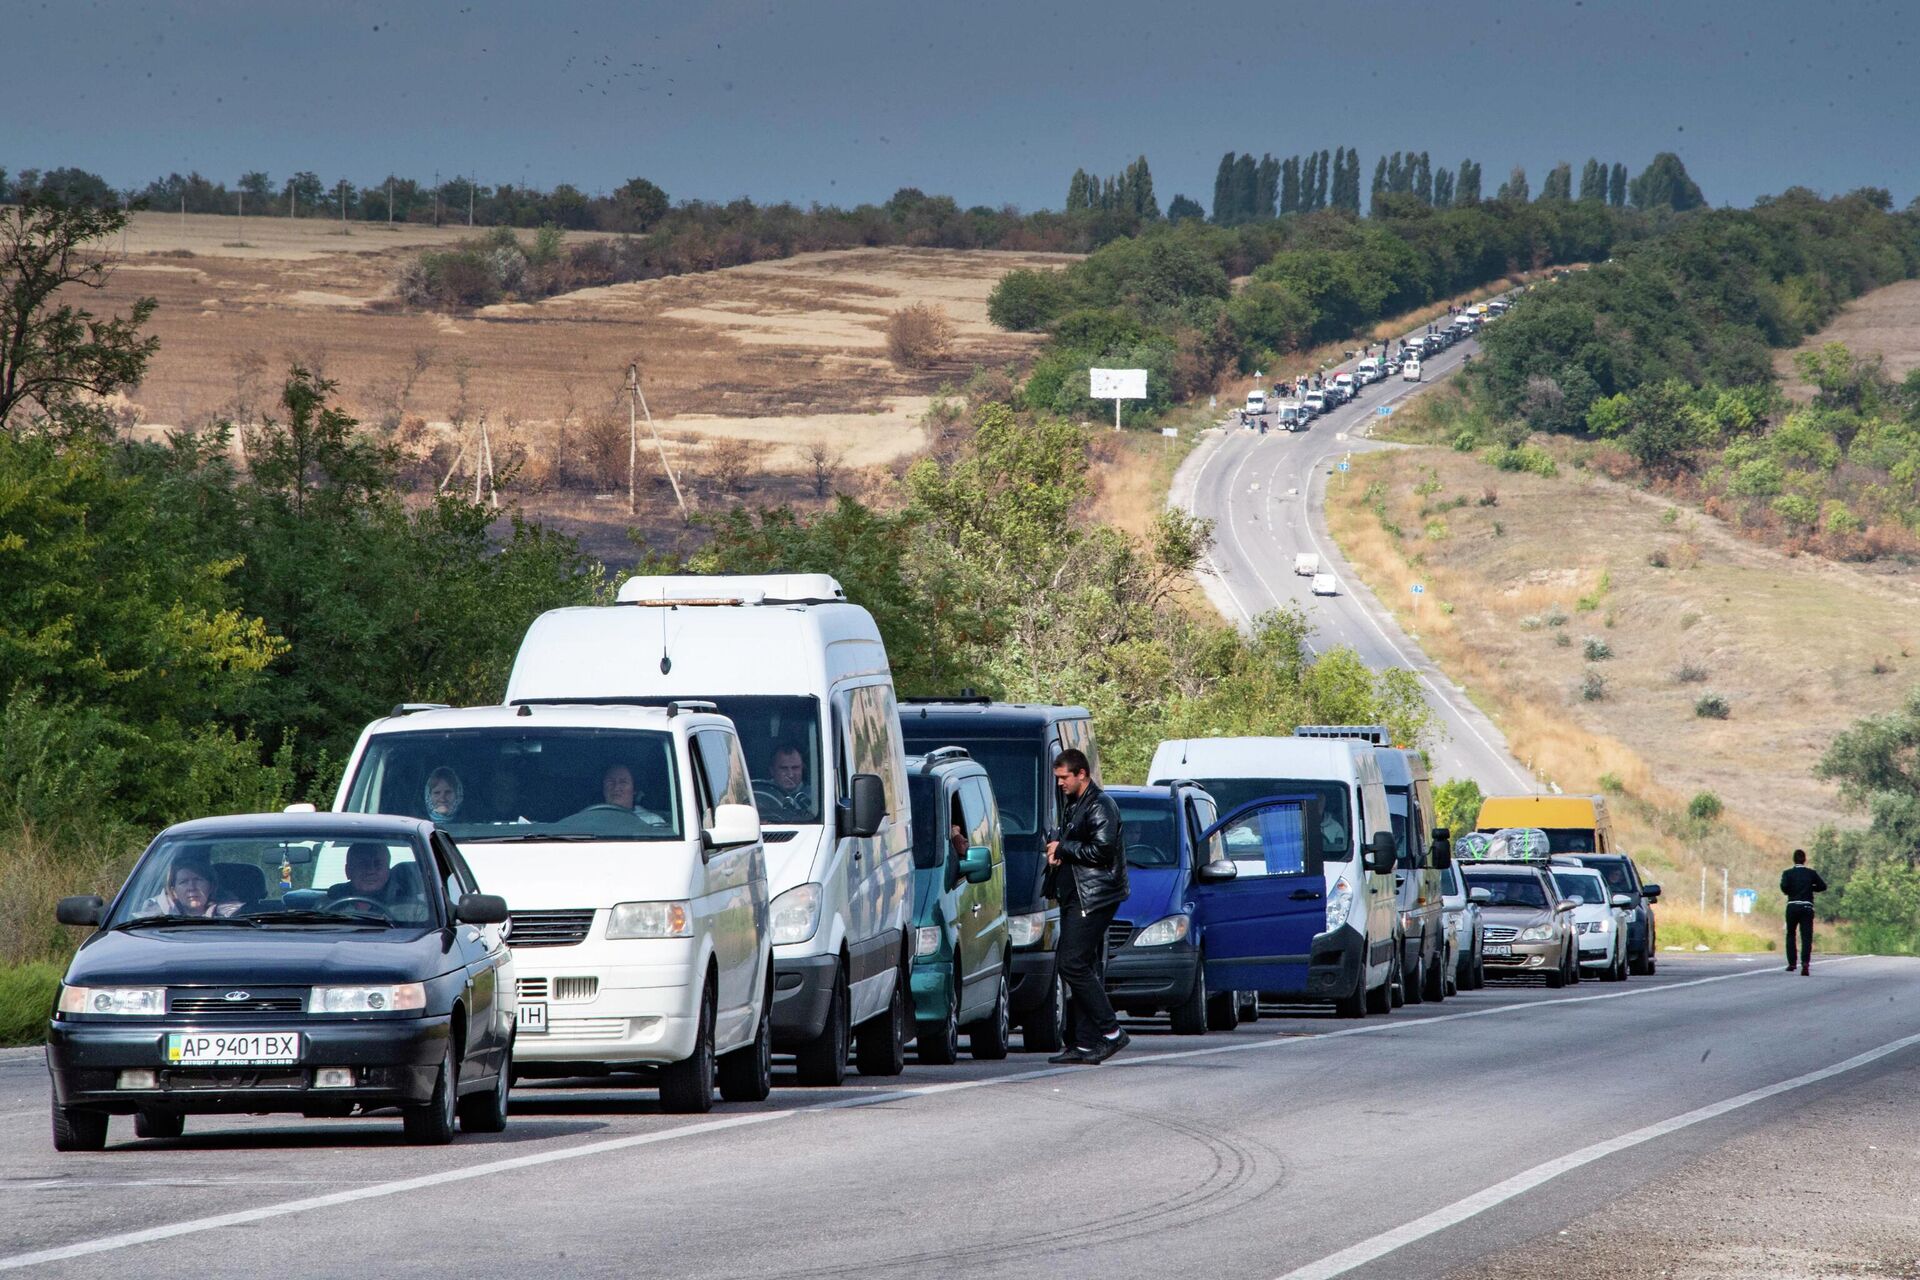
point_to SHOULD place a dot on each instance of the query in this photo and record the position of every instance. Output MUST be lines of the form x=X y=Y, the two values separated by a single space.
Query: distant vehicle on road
x=372 y=974
x=1410 y=371
x=1369 y=371
x=1348 y=384
x=1465 y=933
x=960 y=953
x=1529 y=927
x=1305 y=564
x=1424 y=851
x=1325 y=584
x=1599 y=922
x=1316 y=402
x=1256 y=403
x=1292 y=416
x=1643 y=935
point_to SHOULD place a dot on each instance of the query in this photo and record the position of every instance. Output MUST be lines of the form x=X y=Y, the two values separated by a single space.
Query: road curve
x=1266 y=496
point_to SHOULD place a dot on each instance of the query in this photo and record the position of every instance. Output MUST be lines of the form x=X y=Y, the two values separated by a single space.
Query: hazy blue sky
x=990 y=101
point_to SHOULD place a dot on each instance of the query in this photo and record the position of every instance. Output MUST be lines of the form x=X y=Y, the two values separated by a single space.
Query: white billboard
x=1118 y=384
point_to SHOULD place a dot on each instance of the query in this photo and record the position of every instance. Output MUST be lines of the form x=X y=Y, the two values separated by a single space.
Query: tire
x=880 y=1044
x=487 y=1112
x=686 y=1087
x=158 y=1124
x=1380 y=998
x=1413 y=987
x=746 y=1074
x=990 y=1038
x=939 y=1042
x=1223 y=1010
x=1249 y=1009
x=1046 y=1030
x=1435 y=988
x=78 y=1129
x=430 y=1123
x=1652 y=964
x=1463 y=973
x=822 y=1061
x=1355 y=1005
x=1557 y=979
x=1191 y=1016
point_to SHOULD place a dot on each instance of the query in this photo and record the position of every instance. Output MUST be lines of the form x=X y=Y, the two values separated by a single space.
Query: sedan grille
x=1501 y=933
x=549 y=928
x=202 y=1004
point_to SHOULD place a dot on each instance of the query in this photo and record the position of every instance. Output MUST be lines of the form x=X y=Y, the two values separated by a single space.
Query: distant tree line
x=1131 y=191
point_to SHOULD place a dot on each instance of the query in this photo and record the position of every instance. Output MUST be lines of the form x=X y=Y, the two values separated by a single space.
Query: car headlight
x=1163 y=932
x=650 y=920
x=374 y=999
x=1537 y=933
x=1339 y=902
x=795 y=914
x=1027 y=930
x=926 y=940
x=129 y=1001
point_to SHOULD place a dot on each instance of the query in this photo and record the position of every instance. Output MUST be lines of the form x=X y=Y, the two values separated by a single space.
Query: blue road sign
x=1419 y=589
x=1343 y=466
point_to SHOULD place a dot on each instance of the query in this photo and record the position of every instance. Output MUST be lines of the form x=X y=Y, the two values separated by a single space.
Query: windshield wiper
x=549 y=838
x=322 y=917
x=142 y=922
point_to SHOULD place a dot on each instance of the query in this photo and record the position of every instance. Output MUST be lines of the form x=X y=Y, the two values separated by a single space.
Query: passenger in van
x=617 y=789
x=786 y=796
x=189 y=891
x=444 y=794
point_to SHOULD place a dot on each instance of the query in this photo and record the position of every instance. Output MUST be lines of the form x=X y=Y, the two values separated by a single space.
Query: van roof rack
x=966 y=696
x=408 y=708
x=678 y=705
x=1378 y=734
x=945 y=755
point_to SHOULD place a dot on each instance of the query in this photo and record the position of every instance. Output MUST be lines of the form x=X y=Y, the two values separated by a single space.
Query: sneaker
x=1108 y=1046
x=1072 y=1058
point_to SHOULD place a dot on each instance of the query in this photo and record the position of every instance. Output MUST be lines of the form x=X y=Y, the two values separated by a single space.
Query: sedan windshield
x=1584 y=887
x=278 y=880
x=1508 y=889
x=1614 y=872
x=531 y=784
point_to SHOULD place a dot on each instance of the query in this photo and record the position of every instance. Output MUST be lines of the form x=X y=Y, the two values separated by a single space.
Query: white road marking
x=1367 y=1251
x=241 y=1217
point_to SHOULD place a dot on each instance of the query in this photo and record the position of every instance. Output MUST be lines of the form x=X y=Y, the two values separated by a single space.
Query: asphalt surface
x=1266 y=496
x=1409 y=1145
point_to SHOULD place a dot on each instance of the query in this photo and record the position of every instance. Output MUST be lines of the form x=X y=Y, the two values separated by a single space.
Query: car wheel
x=78 y=1129
x=746 y=1074
x=1380 y=998
x=822 y=1061
x=487 y=1112
x=989 y=1038
x=1045 y=1031
x=1249 y=1006
x=148 y=1123
x=880 y=1045
x=430 y=1123
x=1397 y=983
x=940 y=1041
x=1413 y=986
x=686 y=1087
x=1189 y=1017
x=1558 y=978
x=1436 y=984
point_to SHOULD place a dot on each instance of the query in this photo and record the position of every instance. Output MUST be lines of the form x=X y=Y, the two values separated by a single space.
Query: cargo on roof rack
x=1378 y=734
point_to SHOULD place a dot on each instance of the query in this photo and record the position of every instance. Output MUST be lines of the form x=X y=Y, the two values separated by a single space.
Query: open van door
x=1260 y=905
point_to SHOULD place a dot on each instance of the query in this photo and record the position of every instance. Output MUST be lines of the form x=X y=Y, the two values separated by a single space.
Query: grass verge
x=27 y=993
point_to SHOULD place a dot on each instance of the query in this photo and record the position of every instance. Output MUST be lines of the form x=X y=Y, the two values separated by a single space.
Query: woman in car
x=189 y=891
x=443 y=795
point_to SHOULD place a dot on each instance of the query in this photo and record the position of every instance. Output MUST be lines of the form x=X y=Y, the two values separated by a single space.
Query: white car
x=1599 y=921
x=1316 y=402
x=627 y=841
x=1466 y=935
x=1325 y=584
x=1410 y=371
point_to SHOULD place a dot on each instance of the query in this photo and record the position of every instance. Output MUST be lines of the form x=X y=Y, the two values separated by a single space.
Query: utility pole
x=1703 y=891
x=183 y=211
x=469 y=202
x=436 y=197
x=240 y=199
x=635 y=394
x=289 y=197
x=1724 y=894
x=343 y=206
x=389 y=200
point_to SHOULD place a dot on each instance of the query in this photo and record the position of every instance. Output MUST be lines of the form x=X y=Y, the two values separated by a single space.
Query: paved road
x=1298 y=1146
x=1265 y=495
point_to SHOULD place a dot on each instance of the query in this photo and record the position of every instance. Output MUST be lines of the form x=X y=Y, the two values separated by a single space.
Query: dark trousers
x=1800 y=930
x=1082 y=961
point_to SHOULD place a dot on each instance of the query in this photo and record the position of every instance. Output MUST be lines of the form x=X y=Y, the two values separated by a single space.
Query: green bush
x=1529 y=458
x=1593 y=687
x=1705 y=807
x=1711 y=706
x=1456 y=804
x=27 y=993
x=1611 y=784
x=1597 y=650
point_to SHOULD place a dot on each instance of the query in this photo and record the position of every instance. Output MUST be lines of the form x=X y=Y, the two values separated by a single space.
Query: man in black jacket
x=1087 y=867
x=1799 y=883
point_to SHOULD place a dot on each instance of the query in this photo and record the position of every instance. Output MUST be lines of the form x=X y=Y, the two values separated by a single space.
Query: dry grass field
x=1885 y=322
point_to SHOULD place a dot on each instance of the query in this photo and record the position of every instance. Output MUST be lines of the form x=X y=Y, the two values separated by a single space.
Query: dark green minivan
x=960 y=953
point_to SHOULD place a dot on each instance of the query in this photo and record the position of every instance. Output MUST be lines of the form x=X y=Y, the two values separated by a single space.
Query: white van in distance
x=628 y=841
x=803 y=675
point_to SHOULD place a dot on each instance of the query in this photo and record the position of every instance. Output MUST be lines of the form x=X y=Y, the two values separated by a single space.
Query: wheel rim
x=450 y=1086
x=1003 y=1013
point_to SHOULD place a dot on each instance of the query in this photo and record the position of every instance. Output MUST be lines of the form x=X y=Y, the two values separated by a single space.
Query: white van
x=1410 y=371
x=1256 y=403
x=627 y=841
x=1349 y=386
x=1328 y=931
x=803 y=675
x=1305 y=564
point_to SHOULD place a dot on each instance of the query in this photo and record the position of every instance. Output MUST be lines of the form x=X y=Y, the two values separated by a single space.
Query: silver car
x=1466 y=934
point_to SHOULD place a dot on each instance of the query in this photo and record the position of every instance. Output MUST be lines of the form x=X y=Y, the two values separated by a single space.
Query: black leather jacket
x=1092 y=850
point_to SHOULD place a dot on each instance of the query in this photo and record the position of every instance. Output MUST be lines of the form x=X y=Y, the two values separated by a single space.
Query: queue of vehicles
x=701 y=831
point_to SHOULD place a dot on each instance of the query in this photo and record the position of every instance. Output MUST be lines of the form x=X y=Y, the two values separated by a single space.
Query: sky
x=990 y=101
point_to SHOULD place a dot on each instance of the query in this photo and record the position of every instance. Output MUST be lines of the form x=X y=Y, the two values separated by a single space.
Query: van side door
x=1258 y=927
x=723 y=885
x=982 y=908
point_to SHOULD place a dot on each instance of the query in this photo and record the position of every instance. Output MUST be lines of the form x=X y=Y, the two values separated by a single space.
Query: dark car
x=319 y=964
x=1016 y=742
x=1155 y=947
x=1643 y=934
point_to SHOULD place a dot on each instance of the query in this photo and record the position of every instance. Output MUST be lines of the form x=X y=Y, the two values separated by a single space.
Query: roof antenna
x=666 y=663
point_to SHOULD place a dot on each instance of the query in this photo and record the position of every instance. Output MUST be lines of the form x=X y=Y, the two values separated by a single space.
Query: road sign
x=1743 y=900
x=1384 y=411
x=1343 y=465
x=1117 y=385
x=1419 y=588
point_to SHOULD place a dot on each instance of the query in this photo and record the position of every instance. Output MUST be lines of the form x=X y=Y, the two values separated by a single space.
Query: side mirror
x=1651 y=892
x=1381 y=855
x=866 y=806
x=1621 y=900
x=1219 y=871
x=481 y=908
x=1442 y=848
x=733 y=825
x=976 y=865
x=88 y=909
x=1482 y=896
x=1563 y=906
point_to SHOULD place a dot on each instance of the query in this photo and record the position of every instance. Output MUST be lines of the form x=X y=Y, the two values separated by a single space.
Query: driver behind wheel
x=372 y=877
x=618 y=789
x=785 y=796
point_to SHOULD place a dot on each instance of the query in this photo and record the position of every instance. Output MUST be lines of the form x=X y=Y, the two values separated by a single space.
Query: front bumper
x=1337 y=964
x=1526 y=957
x=395 y=1062
x=1596 y=950
x=1033 y=978
x=637 y=1014
x=1149 y=978
x=802 y=991
x=932 y=985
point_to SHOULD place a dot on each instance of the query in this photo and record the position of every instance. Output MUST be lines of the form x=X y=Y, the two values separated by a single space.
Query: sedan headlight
x=795 y=914
x=650 y=920
x=1537 y=933
x=1339 y=902
x=1163 y=932
x=926 y=940
x=378 y=999
x=1027 y=930
x=129 y=1001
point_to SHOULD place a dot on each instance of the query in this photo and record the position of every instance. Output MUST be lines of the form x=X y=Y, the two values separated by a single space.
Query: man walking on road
x=1087 y=872
x=1799 y=883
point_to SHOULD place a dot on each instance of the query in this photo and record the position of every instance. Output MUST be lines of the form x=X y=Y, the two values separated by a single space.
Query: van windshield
x=1336 y=836
x=535 y=783
x=1147 y=824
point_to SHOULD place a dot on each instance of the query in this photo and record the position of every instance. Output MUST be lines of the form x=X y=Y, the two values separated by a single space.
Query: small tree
x=825 y=463
x=919 y=336
x=729 y=463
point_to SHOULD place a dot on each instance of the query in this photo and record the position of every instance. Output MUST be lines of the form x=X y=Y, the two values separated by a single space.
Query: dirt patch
x=1885 y=322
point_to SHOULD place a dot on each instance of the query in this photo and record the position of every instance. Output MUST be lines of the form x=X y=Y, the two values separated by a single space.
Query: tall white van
x=627 y=841
x=1320 y=926
x=803 y=675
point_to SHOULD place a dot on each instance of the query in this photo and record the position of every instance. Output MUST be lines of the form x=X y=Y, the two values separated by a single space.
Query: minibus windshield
x=1147 y=825
x=1336 y=836
x=1015 y=766
x=525 y=784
